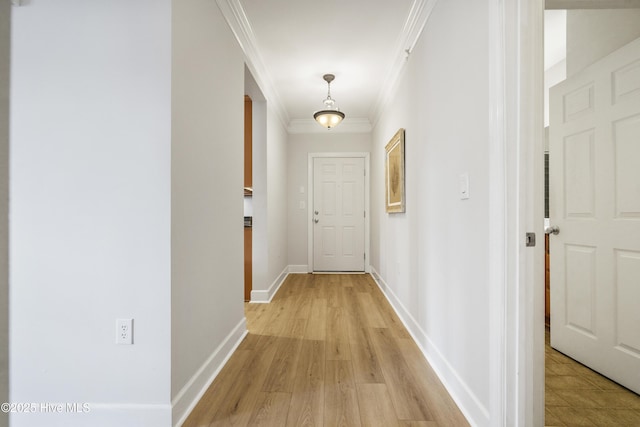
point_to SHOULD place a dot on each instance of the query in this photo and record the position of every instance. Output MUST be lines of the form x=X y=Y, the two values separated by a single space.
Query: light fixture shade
x=328 y=118
x=331 y=116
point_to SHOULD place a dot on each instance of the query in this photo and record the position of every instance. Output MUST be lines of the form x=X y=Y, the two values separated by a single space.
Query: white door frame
x=312 y=156
x=516 y=153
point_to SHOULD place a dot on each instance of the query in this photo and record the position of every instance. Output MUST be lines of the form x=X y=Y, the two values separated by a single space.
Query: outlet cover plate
x=124 y=331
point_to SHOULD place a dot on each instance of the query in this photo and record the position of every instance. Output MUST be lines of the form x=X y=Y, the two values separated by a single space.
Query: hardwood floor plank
x=257 y=316
x=376 y=409
x=389 y=316
x=239 y=394
x=365 y=283
x=333 y=287
x=408 y=399
x=366 y=366
x=302 y=308
x=213 y=398
x=271 y=409
x=327 y=351
x=281 y=372
x=317 y=325
x=370 y=310
x=443 y=409
x=357 y=317
x=307 y=400
x=418 y=424
x=320 y=282
x=278 y=318
x=340 y=398
x=337 y=335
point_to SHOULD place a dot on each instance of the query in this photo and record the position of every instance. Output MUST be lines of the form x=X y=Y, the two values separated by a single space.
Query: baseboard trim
x=467 y=401
x=192 y=392
x=298 y=269
x=264 y=297
x=98 y=415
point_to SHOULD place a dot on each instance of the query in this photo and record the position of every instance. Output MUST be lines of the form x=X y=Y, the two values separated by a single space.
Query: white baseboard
x=298 y=269
x=192 y=392
x=262 y=297
x=98 y=415
x=476 y=413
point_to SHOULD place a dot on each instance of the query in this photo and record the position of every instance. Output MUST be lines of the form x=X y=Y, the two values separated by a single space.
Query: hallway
x=328 y=350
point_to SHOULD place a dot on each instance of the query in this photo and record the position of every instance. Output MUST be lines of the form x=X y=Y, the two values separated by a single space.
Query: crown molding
x=237 y=19
x=413 y=26
x=348 y=125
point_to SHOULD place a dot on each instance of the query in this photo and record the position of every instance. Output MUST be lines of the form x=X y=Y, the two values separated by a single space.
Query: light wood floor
x=327 y=351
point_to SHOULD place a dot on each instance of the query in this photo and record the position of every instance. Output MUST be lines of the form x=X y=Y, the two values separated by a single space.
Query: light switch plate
x=464 y=186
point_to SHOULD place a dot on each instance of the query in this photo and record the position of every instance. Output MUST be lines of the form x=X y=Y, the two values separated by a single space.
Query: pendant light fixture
x=331 y=116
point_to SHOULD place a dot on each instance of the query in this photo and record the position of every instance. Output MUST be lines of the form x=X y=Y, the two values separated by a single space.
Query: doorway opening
x=590 y=272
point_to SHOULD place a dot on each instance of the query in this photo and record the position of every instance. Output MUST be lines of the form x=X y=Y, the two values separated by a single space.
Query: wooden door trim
x=310 y=160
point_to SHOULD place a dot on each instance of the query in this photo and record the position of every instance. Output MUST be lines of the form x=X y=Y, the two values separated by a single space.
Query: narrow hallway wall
x=432 y=260
x=207 y=157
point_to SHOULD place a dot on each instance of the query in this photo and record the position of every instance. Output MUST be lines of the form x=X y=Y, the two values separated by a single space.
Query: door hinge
x=365 y=214
x=365 y=256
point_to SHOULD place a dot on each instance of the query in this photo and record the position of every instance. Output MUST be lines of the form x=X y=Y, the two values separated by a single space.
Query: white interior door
x=338 y=214
x=595 y=201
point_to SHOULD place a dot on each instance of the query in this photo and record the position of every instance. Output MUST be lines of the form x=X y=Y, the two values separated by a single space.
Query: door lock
x=530 y=239
x=316 y=220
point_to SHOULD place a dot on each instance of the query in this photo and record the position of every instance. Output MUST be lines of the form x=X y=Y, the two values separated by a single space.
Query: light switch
x=302 y=204
x=301 y=189
x=464 y=186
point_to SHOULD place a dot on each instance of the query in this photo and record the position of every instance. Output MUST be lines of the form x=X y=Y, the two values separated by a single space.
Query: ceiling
x=290 y=45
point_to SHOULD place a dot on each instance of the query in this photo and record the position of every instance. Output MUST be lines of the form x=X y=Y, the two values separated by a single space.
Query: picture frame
x=394 y=174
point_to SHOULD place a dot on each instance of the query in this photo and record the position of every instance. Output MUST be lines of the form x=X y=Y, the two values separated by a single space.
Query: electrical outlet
x=124 y=331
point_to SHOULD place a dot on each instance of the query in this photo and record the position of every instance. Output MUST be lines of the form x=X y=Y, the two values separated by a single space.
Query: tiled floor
x=577 y=396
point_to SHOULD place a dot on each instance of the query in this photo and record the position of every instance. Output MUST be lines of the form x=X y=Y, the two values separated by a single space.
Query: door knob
x=316 y=220
x=317 y=212
x=554 y=229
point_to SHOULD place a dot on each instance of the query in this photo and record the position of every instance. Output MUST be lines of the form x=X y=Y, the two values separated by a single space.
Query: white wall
x=5 y=32
x=433 y=259
x=299 y=147
x=552 y=76
x=90 y=191
x=269 y=228
x=276 y=195
x=593 y=34
x=207 y=160
x=260 y=247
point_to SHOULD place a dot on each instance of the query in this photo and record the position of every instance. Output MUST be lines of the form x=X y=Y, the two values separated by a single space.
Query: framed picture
x=394 y=173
